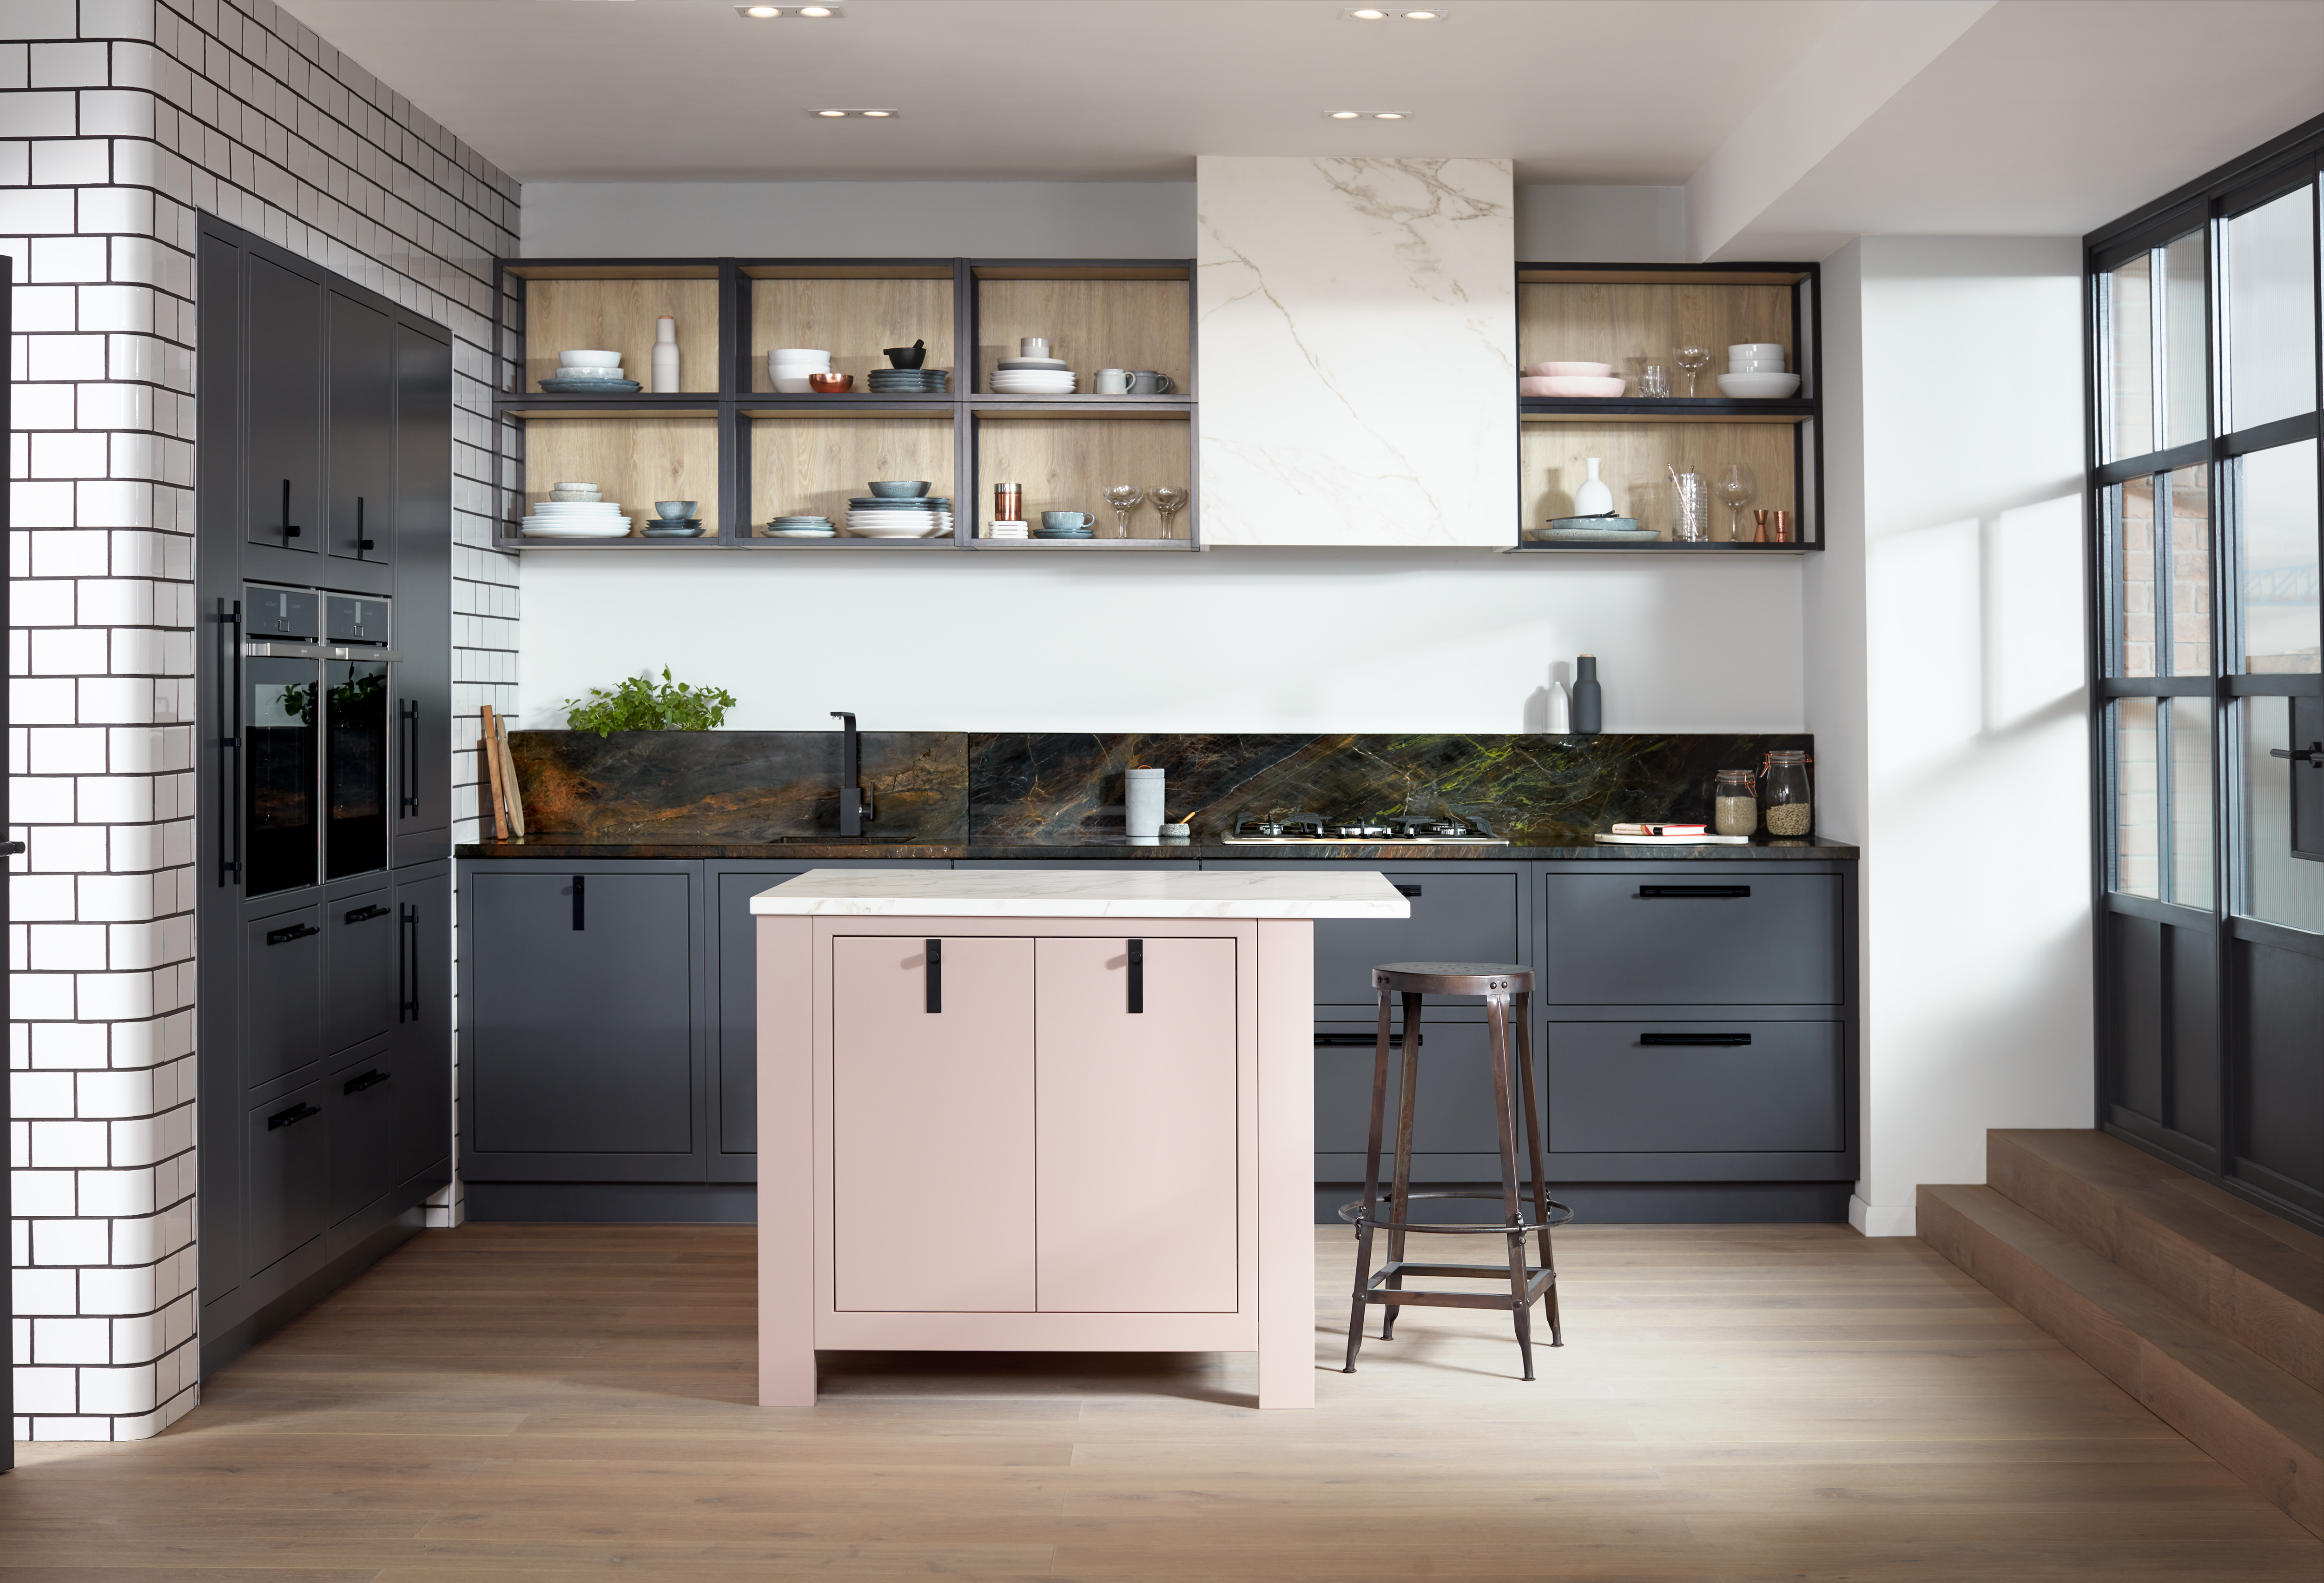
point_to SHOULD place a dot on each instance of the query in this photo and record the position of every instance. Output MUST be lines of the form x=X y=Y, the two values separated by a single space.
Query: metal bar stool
x=1499 y=985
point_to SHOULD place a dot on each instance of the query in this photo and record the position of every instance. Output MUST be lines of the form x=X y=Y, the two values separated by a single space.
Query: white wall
x=1953 y=589
x=1249 y=640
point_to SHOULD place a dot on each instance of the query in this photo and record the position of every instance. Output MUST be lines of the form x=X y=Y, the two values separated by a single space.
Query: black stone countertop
x=565 y=849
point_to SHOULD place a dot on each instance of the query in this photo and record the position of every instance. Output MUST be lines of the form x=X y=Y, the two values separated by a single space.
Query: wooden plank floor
x=527 y=1403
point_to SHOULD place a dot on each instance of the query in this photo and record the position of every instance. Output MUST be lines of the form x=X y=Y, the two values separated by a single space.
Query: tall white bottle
x=1592 y=499
x=665 y=356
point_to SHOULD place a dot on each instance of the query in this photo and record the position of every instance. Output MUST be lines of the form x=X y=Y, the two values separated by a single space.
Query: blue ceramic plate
x=589 y=386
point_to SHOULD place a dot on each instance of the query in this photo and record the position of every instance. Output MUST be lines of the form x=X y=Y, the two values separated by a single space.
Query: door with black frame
x=2209 y=725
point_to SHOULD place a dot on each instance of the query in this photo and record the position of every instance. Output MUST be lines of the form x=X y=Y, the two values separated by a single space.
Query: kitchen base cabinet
x=1669 y=1087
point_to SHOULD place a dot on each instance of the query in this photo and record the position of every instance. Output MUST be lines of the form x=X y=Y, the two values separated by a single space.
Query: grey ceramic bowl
x=676 y=510
x=900 y=489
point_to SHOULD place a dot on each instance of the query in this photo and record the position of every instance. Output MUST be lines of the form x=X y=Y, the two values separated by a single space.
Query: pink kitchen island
x=1041 y=1110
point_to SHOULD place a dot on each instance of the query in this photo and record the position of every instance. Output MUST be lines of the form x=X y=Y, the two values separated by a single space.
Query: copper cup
x=830 y=383
x=1782 y=527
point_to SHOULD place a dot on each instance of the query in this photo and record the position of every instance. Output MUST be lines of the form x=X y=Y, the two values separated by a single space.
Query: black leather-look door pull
x=292 y=1116
x=362 y=543
x=580 y=911
x=370 y=1080
x=1137 y=976
x=1681 y=892
x=290 y=528
x=366 y=914
x=1413 y=890
x=284 y=935
x=1718 y=1041
x=935 y=976
x=1366 y=1041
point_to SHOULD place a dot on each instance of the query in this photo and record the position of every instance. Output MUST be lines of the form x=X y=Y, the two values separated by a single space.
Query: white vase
x=1592 y=499
x=1142 y=810
x=665 y=355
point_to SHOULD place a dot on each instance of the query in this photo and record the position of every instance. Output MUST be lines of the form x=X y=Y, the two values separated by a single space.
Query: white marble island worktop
x=1083 y=893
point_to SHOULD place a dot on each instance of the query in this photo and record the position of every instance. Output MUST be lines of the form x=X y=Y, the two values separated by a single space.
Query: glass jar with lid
x=1787 y=798
x=1735 y=804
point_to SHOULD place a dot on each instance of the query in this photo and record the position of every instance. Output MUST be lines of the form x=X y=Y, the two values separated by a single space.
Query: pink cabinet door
x=932 y=1125
x=1138 y=1127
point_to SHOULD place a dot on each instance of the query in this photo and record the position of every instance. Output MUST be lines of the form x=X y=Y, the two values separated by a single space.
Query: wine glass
x=1692 y=361
x=1735 y=488
x=1124 y=499
x=1170 y=502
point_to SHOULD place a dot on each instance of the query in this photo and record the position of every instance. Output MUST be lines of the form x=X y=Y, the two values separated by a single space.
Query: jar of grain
x=1784 y=789
x=1735 y=804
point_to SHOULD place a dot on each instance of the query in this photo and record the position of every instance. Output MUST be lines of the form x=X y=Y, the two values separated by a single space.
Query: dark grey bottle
x=1585 y=717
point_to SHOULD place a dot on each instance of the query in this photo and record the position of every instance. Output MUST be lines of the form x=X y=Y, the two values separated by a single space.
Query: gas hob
x=1308 y=830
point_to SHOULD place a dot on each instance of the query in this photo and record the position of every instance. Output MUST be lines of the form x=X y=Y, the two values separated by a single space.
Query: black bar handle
x=1413 y=890
x=411 y=798
x=362 y=543
x=1678 y=892
x=366 y=914
x=290 y=528
x=1366 y=1041
x=12 y=848
x=229 y=681
x=2311 y=755
x=370 y=1080
x=288 y=932
x=292 y=1116
x=1712 y=1040
x=1136 y=978
x=407 y=966
x=935 y=975
x=580 y=911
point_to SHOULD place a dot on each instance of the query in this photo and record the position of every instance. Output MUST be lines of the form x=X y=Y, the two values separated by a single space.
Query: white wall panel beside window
x=2271 y=311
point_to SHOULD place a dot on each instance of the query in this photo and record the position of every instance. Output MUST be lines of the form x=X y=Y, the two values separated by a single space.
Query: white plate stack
x=576 y=519
x=788 y=368
x=1003 y=530
x=1033 y=376
x=872 y=522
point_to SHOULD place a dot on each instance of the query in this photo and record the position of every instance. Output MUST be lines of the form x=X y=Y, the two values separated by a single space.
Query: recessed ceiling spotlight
x=1367 y=115
x=866 y=115
x=1390 y=13
x=774 y=12
x=1391 y=115
x=1366 y=13
x=1345 y=115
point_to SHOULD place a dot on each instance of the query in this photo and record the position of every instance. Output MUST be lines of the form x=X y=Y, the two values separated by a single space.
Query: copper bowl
x=830 y=383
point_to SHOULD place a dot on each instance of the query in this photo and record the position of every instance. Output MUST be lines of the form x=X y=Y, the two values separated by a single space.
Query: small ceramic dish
x=1568 y=370
x=900 y=489
x=1758 y=386
x=1571 y=385
x=590 y=360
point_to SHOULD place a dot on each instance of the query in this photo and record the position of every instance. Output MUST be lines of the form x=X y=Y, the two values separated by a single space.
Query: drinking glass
x=1692 y=361
x=1691 y=506
x=1653 y=381
x=1170 y=502
x=1124 y=498
x=1735 y=488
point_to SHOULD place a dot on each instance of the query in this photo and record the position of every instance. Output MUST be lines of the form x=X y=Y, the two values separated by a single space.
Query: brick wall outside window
x=119 y=121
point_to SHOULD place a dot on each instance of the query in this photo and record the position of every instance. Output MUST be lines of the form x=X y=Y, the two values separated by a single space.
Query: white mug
x=1033 y=347
x=1113 y=381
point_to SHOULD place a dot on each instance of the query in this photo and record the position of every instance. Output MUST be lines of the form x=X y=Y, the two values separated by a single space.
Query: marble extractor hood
x=1357 y=332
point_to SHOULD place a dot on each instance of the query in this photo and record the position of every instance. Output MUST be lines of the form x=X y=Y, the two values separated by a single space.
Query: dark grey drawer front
x=1452 y=1112
x=1611 y=1091
x=290 y=1153
x=1456 y=918
x=360 y=963
x=1767 y=940
x=282 y=1001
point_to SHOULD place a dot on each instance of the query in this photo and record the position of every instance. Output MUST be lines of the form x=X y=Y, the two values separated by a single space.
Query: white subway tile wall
x=119 y=121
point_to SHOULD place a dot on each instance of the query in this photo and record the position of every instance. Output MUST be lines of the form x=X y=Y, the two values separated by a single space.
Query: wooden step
x=2256 y=1277
x=2257 y=1420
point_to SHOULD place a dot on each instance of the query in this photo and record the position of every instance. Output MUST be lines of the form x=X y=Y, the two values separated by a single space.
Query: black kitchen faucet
x=851 y=795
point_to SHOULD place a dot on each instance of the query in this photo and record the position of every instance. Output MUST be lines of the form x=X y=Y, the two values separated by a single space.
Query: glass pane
x=279 y=737
x=355 y=767
x=2134 y=812
x=2191 y=571
x=2275 y=507
x=2190 y=801
x=2130 y=361
x=2134 y=535
x=2278 y=888
x=2185 y=415
x=2270 y=270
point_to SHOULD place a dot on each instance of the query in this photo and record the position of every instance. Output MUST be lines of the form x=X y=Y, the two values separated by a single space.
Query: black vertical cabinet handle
x=935 y=976
x=229 y=681
x=1137 y=976
x=580 y=916
x=290 y=528
x=407 y=965
x=362 y=543
x=411 y=795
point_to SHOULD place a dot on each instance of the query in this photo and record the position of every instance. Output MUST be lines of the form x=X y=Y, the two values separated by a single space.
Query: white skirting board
x=1882 y=1220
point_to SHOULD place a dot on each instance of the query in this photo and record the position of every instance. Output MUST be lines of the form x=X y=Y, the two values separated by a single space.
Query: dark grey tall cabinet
x=324 y=769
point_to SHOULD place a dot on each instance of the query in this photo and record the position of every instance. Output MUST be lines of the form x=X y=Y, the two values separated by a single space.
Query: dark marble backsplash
x=1066 y=789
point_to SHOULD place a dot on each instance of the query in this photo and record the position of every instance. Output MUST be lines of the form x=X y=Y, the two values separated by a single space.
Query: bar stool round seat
x=1526 y=1209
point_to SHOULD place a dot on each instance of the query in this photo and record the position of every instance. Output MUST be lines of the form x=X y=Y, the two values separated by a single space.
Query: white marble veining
x=1357 y=325
x=937 y=893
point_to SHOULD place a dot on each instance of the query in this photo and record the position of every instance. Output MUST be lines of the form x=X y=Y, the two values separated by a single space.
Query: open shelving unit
x=749 y=452
x=1630 y=314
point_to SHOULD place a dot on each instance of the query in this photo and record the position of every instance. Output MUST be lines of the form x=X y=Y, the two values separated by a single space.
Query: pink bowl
x=1571 y=387
x=1568 y=370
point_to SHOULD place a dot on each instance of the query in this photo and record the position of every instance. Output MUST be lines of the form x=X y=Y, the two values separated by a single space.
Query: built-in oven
x=311 y=686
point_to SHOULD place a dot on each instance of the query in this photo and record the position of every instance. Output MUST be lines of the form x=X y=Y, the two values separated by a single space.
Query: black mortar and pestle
x=910 y=356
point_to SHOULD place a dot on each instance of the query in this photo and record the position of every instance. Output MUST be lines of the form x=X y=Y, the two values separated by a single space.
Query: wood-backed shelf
x=1133 y=313
x=1632 y=315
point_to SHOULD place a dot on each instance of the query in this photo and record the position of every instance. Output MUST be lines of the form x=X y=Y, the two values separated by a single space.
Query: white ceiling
x=2024 y=116
x=1576 y=90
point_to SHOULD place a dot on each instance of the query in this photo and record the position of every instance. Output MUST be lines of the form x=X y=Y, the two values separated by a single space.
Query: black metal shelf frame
x=734 y=405
x=1803 y=412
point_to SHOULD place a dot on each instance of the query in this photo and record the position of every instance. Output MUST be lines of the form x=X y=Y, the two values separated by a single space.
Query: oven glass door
x=354 y=838
x=280 y=727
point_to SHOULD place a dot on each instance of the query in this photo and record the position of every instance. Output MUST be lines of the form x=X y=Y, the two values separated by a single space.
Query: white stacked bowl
x=788 y=368
x=589 y=366
x=1755 y=358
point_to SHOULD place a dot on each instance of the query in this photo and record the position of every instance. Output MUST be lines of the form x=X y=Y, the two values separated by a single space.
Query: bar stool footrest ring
x=1357 y=1215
